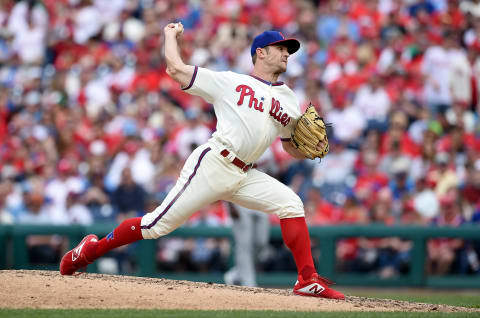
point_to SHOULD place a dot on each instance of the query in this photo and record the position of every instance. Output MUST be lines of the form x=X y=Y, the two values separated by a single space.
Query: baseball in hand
x=177 y=27
x=180 y=27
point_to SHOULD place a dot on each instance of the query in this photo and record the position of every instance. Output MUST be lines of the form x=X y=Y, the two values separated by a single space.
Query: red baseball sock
x=296 y=237
x=127 y=232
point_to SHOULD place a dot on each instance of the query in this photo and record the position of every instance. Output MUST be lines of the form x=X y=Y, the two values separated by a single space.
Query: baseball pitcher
x=252 y=111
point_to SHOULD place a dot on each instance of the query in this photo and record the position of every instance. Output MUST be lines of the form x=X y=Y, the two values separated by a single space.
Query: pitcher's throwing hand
x=174 y=28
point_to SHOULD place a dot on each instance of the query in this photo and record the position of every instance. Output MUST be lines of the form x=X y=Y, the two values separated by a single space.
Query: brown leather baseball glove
x=309 y=132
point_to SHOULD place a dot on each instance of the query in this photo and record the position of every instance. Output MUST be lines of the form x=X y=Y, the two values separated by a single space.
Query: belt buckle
x=230 y=156
x=247 y=167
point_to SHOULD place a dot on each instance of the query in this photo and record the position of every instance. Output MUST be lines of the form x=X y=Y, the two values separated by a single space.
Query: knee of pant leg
x=155 y=232
x=150 y=234
x=152 y=229
x=293 y=209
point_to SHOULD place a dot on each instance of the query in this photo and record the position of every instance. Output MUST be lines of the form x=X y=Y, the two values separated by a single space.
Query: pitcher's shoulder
x=230 y=75
x=287 y=89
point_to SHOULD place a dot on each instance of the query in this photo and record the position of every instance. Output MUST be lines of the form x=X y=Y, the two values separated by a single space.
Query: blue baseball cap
x=274 y=37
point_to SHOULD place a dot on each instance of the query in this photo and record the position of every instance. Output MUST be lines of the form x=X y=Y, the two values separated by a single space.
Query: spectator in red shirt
x=442 y=252
x=471 y=188
x=370 y=180
x=397 y=133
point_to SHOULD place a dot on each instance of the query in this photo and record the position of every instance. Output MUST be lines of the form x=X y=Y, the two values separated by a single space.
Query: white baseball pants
x=208 y=177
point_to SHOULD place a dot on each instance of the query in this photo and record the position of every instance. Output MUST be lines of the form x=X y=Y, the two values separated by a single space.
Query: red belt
x=239 y=163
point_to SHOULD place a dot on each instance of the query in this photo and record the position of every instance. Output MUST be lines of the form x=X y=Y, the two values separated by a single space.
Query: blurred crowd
x=92 y=129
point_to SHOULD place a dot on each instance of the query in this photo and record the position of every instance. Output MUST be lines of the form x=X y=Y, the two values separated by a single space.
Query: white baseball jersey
x=251 y=112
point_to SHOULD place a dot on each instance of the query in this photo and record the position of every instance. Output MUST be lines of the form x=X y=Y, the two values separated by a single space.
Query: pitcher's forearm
x=176 y=69
x=172 y=54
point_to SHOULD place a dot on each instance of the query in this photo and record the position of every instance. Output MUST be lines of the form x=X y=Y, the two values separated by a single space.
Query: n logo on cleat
x=316 y=289
x=76 y=251
x=313 y=289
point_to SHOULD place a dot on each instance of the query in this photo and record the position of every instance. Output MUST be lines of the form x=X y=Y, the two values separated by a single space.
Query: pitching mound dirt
x=45 y=289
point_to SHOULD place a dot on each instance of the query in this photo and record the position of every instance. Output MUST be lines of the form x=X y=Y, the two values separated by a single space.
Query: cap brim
x=292 y=44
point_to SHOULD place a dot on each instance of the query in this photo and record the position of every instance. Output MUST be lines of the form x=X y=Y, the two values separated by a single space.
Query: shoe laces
x=325 y=280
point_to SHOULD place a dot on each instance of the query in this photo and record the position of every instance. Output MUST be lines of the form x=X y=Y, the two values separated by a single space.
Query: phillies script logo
x=276 y=111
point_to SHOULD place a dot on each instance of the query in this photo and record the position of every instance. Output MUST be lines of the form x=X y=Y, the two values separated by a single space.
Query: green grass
x=51 y=313
x=452 y=298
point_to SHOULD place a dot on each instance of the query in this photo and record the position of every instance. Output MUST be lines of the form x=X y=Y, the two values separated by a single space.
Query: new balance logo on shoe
x=76 y=252
x=315 y=289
